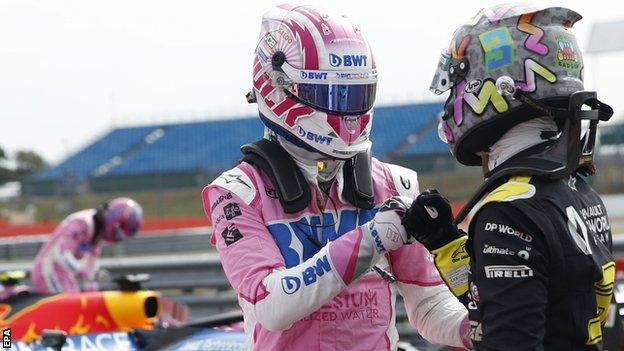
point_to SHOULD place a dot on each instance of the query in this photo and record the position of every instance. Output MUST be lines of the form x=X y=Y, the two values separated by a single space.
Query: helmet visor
x=337 y=98
x=441 y=133
x=441 y=82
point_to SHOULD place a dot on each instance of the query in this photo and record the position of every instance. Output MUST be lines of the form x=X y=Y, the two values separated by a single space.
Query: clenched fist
x=429 y=220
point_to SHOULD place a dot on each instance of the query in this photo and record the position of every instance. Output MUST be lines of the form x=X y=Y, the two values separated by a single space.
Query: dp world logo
x=291 y=285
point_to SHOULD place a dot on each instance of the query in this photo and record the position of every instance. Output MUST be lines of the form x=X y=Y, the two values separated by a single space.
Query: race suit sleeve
x=89 y=263
x=509 y=280
x=90 y=268
x=275 y=295
x=75 y=247
x=431 y=308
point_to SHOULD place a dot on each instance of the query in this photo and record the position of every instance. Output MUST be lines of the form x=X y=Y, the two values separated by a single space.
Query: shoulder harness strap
x=358 y=181
x=292 y=189
x=272 y=159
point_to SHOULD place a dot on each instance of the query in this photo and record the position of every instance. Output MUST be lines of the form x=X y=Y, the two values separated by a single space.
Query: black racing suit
x=541 y=271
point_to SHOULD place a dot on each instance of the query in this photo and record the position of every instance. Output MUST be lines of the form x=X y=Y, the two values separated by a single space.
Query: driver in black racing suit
x=535 y=269
x=542 y=271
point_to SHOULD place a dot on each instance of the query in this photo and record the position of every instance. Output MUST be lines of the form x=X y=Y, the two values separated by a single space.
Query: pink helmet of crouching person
x=123 y=218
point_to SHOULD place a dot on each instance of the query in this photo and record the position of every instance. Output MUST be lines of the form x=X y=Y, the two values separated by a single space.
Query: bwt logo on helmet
x=313 y=75
x=319 y=139
x=291 y=284
x=347 y=60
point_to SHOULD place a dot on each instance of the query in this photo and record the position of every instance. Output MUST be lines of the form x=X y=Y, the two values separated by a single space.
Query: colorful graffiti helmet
x=123 y=218
x=314 y=79
x=499 y=51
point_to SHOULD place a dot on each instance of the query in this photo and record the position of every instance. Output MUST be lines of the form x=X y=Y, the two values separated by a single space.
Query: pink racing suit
x=296 y=295
x=67 y=256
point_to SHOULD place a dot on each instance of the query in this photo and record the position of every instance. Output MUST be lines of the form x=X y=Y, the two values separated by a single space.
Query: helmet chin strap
x=484 y=163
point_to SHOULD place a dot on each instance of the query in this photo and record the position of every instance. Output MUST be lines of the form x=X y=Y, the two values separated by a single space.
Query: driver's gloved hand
x=429 y=220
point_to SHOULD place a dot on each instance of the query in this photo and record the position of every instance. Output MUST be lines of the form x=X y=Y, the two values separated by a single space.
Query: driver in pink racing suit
x=73 y=250
x=308 y=225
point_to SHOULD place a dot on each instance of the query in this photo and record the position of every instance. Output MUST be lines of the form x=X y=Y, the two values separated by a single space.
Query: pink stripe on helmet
x=338 y=124
x=331 y=29
x=284 y=106
x=317 y=19
x=266 y=89
x=308 y=46
x=296 y=113
x=260 y=82
x=257 y=66
x=288 y=7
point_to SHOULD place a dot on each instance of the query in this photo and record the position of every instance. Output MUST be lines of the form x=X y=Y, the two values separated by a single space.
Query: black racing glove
x=430 y=220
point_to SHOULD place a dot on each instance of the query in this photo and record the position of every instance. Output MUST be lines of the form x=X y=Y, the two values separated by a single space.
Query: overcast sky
x=70 y=70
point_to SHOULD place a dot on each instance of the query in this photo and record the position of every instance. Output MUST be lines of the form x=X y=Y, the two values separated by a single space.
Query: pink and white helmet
x=123 y=218
x=314 y=79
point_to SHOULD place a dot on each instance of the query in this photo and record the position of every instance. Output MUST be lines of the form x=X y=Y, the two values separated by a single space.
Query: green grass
x=458 y=185
x=187 y=201
x=156 y=203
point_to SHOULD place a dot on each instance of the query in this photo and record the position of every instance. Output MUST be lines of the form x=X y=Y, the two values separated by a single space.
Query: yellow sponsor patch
x=452 y=261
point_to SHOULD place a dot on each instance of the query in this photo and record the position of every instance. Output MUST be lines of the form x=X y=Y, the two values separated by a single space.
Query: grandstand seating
x=392 y=125
x=202 y=146
x=102 y=150
x=209 y=147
